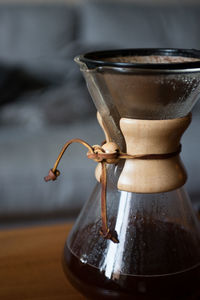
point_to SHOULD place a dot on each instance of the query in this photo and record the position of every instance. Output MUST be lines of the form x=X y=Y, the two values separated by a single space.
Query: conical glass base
x=158 y=254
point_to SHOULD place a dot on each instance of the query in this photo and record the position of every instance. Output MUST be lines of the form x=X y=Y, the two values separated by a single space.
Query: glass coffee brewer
x=137 y=237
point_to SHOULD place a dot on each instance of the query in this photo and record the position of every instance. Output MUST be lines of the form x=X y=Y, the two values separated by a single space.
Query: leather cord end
x=52 y=175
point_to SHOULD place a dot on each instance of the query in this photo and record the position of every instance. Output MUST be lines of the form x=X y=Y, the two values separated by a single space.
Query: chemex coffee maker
x=137 y=237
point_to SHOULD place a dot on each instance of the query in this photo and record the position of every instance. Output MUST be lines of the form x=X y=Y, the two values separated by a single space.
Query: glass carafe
x=157 y=253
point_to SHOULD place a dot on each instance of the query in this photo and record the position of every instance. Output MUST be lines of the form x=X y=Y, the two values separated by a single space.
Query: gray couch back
x=141 y=25
x=35 y=31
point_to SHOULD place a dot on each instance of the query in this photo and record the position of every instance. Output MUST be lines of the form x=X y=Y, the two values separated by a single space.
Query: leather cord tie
x=108 y=153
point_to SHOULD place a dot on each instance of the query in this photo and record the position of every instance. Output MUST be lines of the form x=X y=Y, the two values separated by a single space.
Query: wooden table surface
x=30 y=264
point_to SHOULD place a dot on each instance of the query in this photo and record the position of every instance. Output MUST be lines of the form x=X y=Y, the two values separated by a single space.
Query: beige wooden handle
x=153 y=137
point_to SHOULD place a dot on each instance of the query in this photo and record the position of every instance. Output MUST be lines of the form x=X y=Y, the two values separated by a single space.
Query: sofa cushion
x=35 y=31
x=133 y=25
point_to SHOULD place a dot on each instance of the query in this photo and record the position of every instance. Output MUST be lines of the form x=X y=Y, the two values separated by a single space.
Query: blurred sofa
x=44 y=100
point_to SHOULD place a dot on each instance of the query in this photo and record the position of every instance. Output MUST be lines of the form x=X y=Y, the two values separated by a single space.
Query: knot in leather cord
x=108 y=152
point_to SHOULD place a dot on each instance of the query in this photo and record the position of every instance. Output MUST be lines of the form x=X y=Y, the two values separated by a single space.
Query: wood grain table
x=30 y=264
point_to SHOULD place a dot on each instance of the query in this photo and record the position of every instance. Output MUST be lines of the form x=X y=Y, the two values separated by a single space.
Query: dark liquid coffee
x=176 y=285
